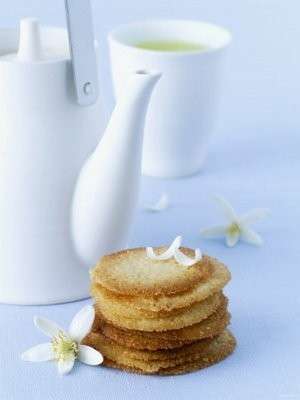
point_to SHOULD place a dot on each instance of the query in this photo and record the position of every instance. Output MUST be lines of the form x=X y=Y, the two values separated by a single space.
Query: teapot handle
x=82 y=48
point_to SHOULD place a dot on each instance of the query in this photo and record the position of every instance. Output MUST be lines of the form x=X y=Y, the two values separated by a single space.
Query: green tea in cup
x=170 y=45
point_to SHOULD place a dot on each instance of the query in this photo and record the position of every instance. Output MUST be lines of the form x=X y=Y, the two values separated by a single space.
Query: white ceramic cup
x=183 y=106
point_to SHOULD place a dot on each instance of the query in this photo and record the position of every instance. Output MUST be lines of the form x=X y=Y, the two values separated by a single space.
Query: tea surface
x=170 y=45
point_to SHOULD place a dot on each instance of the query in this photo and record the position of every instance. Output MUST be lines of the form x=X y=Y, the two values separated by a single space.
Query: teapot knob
x=30 y=47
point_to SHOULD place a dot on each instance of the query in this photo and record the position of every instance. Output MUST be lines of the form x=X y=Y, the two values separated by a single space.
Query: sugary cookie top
x=131 y=272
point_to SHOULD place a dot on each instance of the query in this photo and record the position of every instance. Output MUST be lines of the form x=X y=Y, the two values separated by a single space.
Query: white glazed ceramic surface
x=45 y=137
x=107 y=190
x=63 y=204
x=183 y=107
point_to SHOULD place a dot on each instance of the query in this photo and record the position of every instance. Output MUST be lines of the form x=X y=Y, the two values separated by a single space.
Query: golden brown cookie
x=129 y=339
x=192 y=315
x=194 y=356
x=211 y=326
x=216 y=278
x=131 y=272
x=120 y=308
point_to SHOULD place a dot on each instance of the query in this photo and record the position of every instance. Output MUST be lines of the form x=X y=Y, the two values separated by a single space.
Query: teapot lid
x=34 y=47
x=40 y=46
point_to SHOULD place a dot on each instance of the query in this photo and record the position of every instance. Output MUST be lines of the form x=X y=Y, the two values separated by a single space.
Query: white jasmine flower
x=65 y=347
x=174 y=251
x=238 y=227
x=162 y=204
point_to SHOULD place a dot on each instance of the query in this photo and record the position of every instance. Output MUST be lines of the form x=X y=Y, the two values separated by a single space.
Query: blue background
x=254 y=162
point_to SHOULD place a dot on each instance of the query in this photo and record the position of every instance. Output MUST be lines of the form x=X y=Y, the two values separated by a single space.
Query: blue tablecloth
x=263 y=293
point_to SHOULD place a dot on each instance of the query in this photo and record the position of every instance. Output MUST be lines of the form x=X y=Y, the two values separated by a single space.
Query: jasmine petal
x=226 y=208
x=169 y=253
x=82 y=323
x=232 y=239
x=255 y=215
x=49 y=328
x=186 y=261
x=160 y=205
x=41 y=352
x=89 y=356
x=214 y=232
x=251 y=237
x=64 y=367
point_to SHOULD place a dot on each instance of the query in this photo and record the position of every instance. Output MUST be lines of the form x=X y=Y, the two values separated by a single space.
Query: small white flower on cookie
x=65 y=347
x=174 y=251
x=238 y=227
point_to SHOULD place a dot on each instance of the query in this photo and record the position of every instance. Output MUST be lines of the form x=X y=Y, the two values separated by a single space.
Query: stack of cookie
x=160 y=317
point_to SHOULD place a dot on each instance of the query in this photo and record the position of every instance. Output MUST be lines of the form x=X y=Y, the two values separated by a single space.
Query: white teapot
x=64 y=199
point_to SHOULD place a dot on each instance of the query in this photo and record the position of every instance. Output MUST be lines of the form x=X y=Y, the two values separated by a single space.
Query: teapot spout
x=106 y=193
